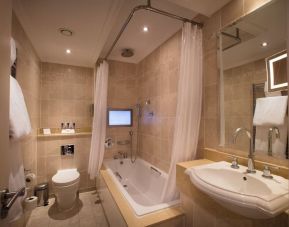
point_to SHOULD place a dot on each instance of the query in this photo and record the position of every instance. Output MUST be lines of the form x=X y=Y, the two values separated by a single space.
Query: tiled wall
x=122 y=93
x=158 y=82
x=238 y=99
x=155 y=78
x=28 y=76
x=66 y=96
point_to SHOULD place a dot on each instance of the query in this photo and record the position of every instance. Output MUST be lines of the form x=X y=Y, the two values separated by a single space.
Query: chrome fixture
x=7 y=199
x=68 y=125
x=127 y=53
x=270 y=135
x=67 y=149
x=267 y=172
x=133 y=159
x=235 y=164
x=251 y=163
x=108 y=143
x=120 y=155
x=147 y=7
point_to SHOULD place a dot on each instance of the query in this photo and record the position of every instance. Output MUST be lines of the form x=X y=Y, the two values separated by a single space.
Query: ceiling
x=90 y=20
x=143 y=43
x=95 y=24
x=205 y=7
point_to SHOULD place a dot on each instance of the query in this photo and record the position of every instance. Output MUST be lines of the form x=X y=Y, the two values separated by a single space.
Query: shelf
x=56 y=133
x=65 y=134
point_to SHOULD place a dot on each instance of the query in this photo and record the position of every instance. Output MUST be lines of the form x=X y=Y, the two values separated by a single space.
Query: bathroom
x=117 y=131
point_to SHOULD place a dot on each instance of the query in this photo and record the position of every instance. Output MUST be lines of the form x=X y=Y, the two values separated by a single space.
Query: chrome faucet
x=251 y=163
x=270 y=135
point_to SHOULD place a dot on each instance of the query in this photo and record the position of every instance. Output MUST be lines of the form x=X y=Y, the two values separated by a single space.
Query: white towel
x=270 y=111
x=18 y=116
x=278 y=144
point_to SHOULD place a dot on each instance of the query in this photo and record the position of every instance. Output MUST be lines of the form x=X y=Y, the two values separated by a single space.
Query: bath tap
x=270 y=135
x=251 y=163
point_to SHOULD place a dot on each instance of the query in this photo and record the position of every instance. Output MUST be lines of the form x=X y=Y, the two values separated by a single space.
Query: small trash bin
x=41 y=191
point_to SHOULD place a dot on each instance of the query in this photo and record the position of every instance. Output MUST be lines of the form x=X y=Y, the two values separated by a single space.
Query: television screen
x=119 y=117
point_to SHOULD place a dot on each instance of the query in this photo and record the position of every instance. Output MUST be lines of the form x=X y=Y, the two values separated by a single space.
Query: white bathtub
x=140 y=183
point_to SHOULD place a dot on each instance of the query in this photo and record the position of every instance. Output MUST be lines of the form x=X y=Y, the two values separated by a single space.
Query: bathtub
x=140 y=183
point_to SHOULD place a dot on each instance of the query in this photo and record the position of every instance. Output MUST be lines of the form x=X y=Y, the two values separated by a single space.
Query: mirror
x=277 y=71
x=248 y=49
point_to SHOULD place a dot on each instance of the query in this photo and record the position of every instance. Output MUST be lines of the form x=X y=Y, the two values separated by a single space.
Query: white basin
x=250 y=195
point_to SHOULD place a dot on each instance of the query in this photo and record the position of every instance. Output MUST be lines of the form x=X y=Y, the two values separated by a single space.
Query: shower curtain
x=189 y=104
x=99 y=120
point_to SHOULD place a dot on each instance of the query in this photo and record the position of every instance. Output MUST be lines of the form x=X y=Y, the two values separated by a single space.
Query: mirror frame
x=270 y=72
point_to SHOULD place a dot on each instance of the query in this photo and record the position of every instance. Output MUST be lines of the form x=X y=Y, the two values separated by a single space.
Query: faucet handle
x=267 y=172
x=235 y=164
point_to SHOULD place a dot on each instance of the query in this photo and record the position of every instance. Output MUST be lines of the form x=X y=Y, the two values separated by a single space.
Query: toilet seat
x=65 y=177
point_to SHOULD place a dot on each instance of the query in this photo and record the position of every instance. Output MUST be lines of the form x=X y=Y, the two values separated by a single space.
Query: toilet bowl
x=65 y=185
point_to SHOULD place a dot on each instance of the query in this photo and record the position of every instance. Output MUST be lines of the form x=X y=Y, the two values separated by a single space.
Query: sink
x=250 y=195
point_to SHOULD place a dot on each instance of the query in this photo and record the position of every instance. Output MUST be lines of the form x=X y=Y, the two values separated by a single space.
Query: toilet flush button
x=67 y=149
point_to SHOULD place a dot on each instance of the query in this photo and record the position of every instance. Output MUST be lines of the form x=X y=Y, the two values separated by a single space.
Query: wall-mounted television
x=119 y=117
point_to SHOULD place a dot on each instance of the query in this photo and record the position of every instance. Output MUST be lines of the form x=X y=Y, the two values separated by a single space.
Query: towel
x=16 y=180
x=18 y=116
x=278 y=144
x=270 y=111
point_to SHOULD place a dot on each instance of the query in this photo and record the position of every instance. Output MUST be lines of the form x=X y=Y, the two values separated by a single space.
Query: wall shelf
x=56 y=133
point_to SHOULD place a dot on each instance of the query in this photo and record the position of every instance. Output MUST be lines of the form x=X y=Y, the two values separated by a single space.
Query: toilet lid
x=65 y=177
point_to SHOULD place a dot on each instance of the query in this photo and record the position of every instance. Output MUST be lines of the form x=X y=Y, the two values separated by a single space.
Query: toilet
x=65 y=185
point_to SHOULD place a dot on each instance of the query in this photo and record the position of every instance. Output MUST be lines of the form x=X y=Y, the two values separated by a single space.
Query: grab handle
x=7 y=200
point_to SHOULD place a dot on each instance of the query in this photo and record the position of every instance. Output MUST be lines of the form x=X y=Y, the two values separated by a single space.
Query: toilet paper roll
x=30 y=179
x=30 y=203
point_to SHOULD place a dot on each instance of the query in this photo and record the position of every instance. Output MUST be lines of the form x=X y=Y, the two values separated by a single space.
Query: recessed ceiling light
x=65 y=31
x=145 y=29
x=264 y=44
x=68 y=51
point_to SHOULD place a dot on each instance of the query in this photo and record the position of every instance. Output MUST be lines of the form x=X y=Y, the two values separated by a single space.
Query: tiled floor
x=87 y=213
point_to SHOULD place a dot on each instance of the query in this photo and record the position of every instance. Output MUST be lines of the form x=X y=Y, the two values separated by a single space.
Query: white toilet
x=65 y=185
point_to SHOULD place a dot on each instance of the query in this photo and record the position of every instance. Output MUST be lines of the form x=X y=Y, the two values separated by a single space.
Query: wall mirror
x=249 y=49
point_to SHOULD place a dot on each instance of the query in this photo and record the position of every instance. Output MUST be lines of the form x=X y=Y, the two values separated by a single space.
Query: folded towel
x=270 y=111
x=278 y=144
x=18 y=116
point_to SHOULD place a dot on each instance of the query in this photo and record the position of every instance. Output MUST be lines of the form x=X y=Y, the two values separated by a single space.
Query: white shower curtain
x=99 y=121
x=189 y=104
